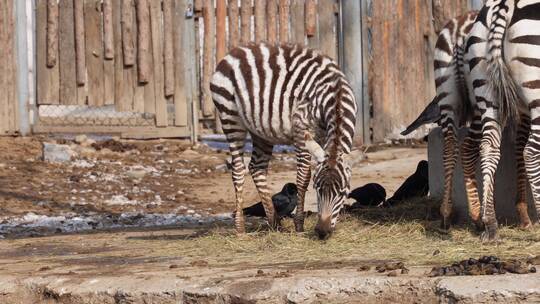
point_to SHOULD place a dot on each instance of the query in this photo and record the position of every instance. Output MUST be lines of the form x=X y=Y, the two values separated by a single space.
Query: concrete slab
x=505 y=179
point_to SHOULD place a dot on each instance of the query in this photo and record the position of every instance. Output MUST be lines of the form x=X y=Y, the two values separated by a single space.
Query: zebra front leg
x=303 y=176
x=532 y=156
x=258 y=168
x=490 y=154
x=469 y=158
x=236 y=137
x=450 y=155
x=522 y=137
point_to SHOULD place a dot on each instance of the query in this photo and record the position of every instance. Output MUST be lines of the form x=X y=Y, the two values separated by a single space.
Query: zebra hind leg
x=303 y=176
x=236 y=137
x=450 y=155
x=258 y=168
x=490 y=154
x=469 y=158
x=532 y=157
x=521 y=202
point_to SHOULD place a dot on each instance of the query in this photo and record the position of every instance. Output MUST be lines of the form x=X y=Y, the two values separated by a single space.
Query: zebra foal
x=287 y=95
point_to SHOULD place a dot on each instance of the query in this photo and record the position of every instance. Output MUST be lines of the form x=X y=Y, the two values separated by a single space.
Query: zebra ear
x=316 y=150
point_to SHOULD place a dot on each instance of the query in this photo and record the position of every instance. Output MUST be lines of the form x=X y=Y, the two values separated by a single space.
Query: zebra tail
x=500 y=81
x=430 y=114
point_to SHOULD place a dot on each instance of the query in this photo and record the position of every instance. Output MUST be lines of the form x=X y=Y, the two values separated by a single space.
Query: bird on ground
x=371 y=194
x=416 y=185
x=284 y=203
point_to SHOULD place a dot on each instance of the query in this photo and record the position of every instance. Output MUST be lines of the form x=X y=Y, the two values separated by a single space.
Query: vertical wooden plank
x=234 y=37
x=67 y=57
x=123 y=82
x=298 y=34
x=52 y=32
x=272 y=22
x=168 y=46
x=221 y=29
x=127 y=21
x=94 y=52
x=108 y=39
x=284 y=21
x=4 y=99
x=80 y=47
x=12 y=70
x=180 y=65
x=208 y=56
x=327 y=28
x=245 y=22
x=311 y=17
x=157 y=51
x=47 y=78
x=140 y=102
x=143 y=41
x=260 y=20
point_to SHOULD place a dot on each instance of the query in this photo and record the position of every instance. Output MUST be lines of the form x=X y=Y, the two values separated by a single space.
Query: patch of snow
x=82 y=163
x=121 y=200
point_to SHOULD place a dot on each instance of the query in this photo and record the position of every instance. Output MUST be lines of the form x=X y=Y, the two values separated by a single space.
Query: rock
x=190 y=152
x=364 y=268
x=222 y=167
x=136 y=174
x=88 y=142
x=2 y=165
x=184 y=171
x=80 y=138
x=55 y=153
x=393 y=273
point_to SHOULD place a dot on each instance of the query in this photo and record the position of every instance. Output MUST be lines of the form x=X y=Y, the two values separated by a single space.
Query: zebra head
x=331 y=181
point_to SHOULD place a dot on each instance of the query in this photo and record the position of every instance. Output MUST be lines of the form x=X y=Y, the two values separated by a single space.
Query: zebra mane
x=335 y=146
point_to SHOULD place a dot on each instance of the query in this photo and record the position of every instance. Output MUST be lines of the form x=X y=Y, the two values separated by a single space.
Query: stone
x=80 y=138
x=190 y=152
x=136 y=174
x=55 y=153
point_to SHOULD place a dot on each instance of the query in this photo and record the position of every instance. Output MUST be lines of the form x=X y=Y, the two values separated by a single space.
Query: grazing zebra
x=452 y=108
x=503 y=52
x=287 y=95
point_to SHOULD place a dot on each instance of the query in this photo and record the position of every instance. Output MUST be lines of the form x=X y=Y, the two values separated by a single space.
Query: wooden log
x=168 y=45
x=143 y=41
x=234 y=37
x=52 y=32
x=94 y=52
x=198 y=5
x=327 y=28
x=127 y=23
x=123 y=79
x=180 y=64
x=298 y=34
x=66 y=52
x=260 y=20
x=245 y=21
x=157 y=52
x=108 y=31
x=80 y=46
x=221 y=29
x=4 y=116
x=272 y=22
x=208 y=56
x=140 y=103
x=284 y=21
x=311 y=17
x=13 y=106
x=48 y=87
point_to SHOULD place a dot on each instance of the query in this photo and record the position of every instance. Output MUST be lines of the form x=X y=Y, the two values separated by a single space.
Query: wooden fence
x=9 y=112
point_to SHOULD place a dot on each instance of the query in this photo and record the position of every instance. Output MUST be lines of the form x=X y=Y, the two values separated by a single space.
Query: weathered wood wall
x=9 y=115
x=126 y=53
x=401 y=59
x=307 y=22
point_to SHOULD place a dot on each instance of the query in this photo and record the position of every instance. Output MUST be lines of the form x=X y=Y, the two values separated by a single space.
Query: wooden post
x=48 y=78
x=311 y=17
x=233 y=24
x=283 y=21
x=94 y=52
x=25 y=71
x=208 y=56
x=143 y=40
x=66 y=53
x=221 y=29
x=128 y=45
x=245 y=15
x=260 y=20
x=80 y=46
x=108 y=39
x=157 y=52
x=180 y=64
x=298 y=33
x=168 y=45
x=327 y=30
x=52 y=32
x=123 y=75
x=272 y=22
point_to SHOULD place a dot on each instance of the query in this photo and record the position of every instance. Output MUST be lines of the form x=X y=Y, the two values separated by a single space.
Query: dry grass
x=409 y=233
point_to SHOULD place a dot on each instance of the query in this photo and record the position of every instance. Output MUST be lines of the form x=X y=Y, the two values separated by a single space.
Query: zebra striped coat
x=506 y=86
x=288 y=95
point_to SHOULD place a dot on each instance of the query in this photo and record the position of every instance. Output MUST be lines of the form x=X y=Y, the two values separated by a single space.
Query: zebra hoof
x=479 y=226
x=526 y=226
x=490 y=234
x=299 y=226
x=445 y=225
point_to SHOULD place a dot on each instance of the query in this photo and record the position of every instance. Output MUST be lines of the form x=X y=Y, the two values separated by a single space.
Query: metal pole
x=25 y=75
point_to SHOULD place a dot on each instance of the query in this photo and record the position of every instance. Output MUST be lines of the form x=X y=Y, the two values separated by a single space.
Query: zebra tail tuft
x=430 y=114
x=500 y=81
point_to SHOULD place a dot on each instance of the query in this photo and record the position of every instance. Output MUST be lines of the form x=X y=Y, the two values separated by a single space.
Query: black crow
x=284 y=203
x=416 y=185
x=371 y=194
